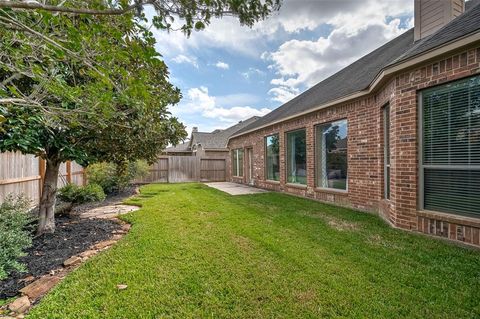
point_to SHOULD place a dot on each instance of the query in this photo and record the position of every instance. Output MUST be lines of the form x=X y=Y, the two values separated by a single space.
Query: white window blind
x=450 y=164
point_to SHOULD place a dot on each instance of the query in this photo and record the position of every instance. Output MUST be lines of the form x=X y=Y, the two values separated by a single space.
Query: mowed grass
x=195 y=252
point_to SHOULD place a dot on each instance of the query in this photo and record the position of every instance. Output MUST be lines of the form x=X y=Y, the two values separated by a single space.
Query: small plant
x=103 y=174
x=113 y=178
x=81 y=194
x=15 y=233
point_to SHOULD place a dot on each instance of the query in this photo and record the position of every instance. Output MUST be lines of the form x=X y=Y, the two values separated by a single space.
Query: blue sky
x=228 y=72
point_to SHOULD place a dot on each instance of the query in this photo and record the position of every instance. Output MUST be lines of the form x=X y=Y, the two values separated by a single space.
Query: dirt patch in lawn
x=48 y=252
x=334 y=222
x=377 y=240
x=243 y=243
x=342 y=225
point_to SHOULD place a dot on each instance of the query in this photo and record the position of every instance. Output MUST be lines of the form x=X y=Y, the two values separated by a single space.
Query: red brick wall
x=365 y=149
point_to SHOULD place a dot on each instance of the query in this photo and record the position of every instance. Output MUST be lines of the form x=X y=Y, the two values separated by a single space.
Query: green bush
x=112 y=179
x=81 y=194
x=15 y=233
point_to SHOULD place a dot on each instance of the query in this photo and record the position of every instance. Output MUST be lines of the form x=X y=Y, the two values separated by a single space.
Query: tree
x=195 y=13
x=76 y=105
x=80 y=80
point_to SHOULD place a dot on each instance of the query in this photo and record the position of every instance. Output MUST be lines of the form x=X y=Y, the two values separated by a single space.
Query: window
x=272 y=157
x=386 y=151
x=237 y=162
x=331 y=150
x=450 y=148
x=297 y=157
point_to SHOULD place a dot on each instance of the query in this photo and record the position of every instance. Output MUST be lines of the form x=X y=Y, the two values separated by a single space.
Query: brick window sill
x=300 y=186
x=268 y=181
x=331 y=191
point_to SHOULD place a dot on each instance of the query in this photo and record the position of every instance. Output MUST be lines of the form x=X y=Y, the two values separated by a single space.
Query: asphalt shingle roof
x=184 y=147
x=219 y=138
x=359 y=75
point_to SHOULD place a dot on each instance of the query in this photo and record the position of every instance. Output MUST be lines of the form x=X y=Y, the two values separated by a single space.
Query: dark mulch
x=72 y=236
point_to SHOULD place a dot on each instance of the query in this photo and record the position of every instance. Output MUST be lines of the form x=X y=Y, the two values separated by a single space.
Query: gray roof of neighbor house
x=359 y=75
x=217 y=139
x=180 y=148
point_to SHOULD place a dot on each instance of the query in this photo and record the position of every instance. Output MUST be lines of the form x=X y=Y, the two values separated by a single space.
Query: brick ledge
x=462 y=220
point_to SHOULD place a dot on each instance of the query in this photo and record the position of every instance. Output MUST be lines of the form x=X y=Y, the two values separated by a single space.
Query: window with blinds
x=450 y=164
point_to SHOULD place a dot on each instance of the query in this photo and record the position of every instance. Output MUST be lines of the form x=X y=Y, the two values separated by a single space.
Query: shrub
x=15 y=233
x=108 y=176
x=81 y=194
x=102 y=174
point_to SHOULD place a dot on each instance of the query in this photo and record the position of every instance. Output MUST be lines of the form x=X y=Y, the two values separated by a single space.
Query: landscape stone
x=104 y=244
x=72 y=261
x=40 y=287
x=88 y=253
x=20 y=305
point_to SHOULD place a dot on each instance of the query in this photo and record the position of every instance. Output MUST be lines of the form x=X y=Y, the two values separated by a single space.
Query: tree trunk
x=46 y=216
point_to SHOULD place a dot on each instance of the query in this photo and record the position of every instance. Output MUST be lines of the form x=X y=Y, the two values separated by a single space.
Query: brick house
x=396 y=133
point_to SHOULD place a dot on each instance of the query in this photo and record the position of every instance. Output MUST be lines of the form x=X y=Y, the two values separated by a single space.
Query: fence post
x=68 y=166
x=84 y=176
x=41 y=172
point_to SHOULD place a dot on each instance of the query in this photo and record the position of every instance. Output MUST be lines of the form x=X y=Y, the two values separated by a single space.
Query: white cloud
x=283 y=94
x=252 y=73
x=179 y=59
x=294 y=16
x=300 y=64
x=198 y=102
x=222 y=65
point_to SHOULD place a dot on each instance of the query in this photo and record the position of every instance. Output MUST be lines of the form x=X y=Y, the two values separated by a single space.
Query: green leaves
x=103 y=91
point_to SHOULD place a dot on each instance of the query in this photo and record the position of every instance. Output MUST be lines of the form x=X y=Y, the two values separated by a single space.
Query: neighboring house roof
x=215 y=140
x=180 y=148
x=359 y=75
x=218 y=139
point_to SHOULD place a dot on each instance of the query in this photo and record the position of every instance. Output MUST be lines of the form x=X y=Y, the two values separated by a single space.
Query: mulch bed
x=48 y=252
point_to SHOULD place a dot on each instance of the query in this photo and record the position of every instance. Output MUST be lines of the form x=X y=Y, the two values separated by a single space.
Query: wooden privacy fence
x=178 y=169
x=23 y=174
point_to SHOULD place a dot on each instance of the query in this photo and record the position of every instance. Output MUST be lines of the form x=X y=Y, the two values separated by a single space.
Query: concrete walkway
x=235 y=189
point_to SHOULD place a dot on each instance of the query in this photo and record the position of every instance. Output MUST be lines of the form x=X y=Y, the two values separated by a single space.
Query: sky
x=228 y=72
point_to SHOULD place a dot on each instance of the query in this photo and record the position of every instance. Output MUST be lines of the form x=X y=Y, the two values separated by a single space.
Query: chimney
x=431 y=15
x=194 y=129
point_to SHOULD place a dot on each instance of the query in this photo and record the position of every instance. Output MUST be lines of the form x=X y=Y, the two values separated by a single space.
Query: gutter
x=385 y=72
x=216 y=149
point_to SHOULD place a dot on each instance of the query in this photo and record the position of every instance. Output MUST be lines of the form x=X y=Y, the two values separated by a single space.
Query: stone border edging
x=39 y=287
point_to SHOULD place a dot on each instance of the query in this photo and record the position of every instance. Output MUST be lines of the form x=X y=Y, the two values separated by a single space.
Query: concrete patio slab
x=235 y=189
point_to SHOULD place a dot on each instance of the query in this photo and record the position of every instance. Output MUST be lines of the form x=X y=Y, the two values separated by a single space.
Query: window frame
x=237 y=171
x=420 y=155
x=387 y=160
x=266 y=158
x=316 y=157
x=286 y=157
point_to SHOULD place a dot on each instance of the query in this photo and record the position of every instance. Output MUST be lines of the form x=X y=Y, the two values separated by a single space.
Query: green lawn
x=195 y=252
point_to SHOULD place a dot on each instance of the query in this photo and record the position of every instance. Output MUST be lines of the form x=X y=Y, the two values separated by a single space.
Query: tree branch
x=52 y=8
x=18 y=102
